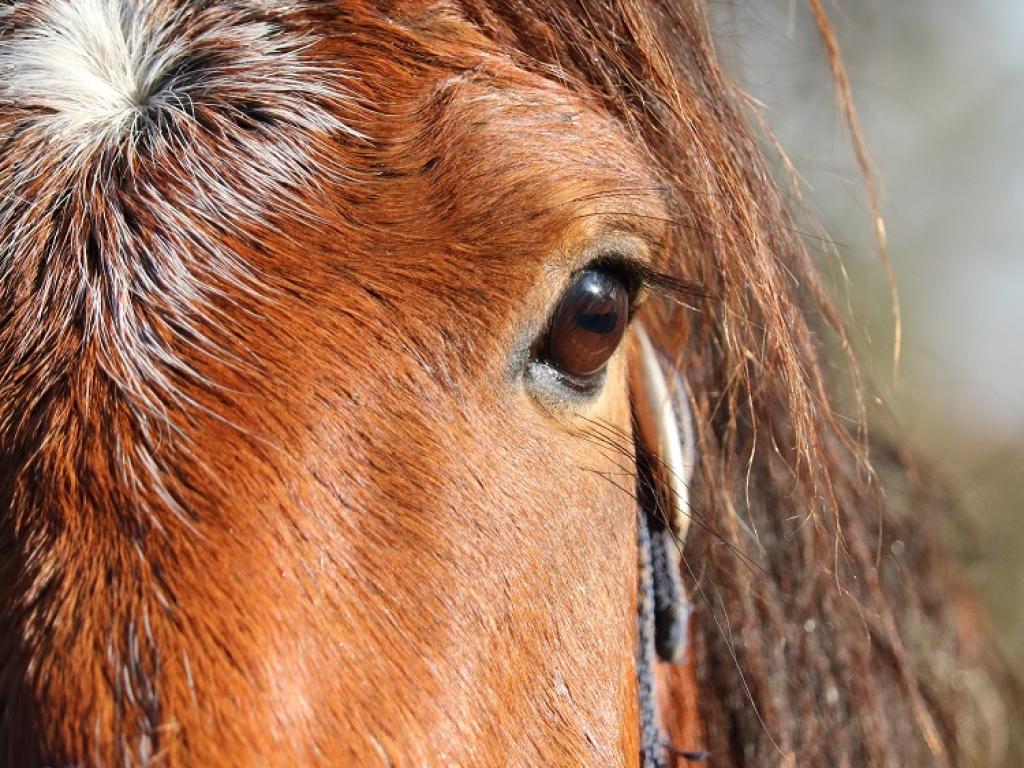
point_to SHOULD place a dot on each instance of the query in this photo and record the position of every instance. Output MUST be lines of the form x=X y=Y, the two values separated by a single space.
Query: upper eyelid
x=629 y=268
x=643 y=281
x=634 y=253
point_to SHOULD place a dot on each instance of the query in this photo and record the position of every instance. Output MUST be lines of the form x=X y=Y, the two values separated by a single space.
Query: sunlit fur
x=272 y=488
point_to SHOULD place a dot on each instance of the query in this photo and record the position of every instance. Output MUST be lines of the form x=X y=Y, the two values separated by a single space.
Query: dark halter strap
x=652 y=754
x=662 y=619
x=665 y=451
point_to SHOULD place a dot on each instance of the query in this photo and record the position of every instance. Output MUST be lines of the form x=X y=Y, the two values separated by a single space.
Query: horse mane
x=812 y=644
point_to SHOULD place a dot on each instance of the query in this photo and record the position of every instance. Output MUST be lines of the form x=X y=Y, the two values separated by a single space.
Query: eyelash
x=677 y=289
x=641 y=279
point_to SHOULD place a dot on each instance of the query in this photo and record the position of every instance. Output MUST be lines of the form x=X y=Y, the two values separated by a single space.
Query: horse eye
x=588 y=323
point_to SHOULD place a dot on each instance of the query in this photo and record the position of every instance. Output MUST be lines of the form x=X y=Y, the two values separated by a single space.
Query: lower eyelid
x=555 y=390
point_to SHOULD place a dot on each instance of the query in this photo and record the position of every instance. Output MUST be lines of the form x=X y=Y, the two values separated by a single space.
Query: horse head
x=337 y=340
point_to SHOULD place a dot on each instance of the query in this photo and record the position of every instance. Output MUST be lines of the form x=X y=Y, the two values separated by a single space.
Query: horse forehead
x=97 y=75
x=232 y=119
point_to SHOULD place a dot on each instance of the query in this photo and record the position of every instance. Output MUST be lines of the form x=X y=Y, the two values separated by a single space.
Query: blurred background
x=940 y=93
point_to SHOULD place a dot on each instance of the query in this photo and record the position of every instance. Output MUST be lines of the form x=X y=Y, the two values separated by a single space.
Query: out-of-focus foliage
x=939 y=88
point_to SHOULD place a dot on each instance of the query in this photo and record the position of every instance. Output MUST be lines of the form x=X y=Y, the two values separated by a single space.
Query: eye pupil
x=603 y=322
x=588 y=323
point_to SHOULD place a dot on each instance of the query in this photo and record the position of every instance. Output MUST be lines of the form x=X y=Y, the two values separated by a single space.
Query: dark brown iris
x=588 y=323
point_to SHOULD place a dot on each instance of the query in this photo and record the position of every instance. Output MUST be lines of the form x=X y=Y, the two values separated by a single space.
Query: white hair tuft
x=90 y=65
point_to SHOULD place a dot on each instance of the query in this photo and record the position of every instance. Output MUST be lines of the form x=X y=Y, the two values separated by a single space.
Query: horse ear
x=665 y=454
